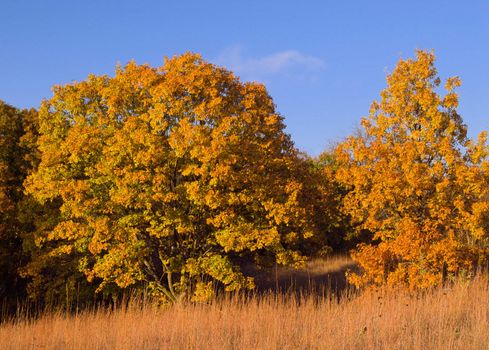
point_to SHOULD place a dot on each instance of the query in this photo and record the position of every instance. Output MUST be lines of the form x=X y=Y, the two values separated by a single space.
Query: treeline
x=171 y=180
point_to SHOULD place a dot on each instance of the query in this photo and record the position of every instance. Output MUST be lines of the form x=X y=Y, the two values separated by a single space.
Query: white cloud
x=283 y=62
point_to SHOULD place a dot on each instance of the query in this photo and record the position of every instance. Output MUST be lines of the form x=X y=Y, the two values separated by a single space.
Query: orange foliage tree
x=416 y=183
x=169 y=178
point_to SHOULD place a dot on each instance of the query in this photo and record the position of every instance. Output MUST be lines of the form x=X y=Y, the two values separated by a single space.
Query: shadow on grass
x=318 y=277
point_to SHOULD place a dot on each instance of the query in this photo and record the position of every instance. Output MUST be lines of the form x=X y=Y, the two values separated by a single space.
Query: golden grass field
x=454 y=317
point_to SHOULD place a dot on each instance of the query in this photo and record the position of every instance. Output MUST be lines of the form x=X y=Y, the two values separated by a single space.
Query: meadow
x=454 y=316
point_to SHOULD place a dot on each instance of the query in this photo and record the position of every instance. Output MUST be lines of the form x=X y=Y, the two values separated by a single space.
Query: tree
x=171 y=178
x=340 y=236
x=16 y=156
x=418 y=187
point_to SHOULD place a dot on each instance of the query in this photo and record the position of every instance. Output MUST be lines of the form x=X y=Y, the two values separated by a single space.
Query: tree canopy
x=169 y=177
x=418 y=185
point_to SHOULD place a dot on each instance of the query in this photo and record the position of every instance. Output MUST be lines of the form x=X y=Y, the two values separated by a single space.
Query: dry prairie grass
x=455 y=317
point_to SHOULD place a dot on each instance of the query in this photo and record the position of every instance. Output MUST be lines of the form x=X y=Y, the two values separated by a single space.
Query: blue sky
x=323 y=62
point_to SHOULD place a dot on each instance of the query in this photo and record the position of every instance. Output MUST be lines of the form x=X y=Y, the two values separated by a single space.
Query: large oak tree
x=169 y=177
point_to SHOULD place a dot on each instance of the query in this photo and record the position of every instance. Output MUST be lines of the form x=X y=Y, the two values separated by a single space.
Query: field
x=452 y=317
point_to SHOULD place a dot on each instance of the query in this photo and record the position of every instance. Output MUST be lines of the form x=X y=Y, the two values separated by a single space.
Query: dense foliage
x=17 y=157
x=418 y=185
x=176 y=179
x=169 y=177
